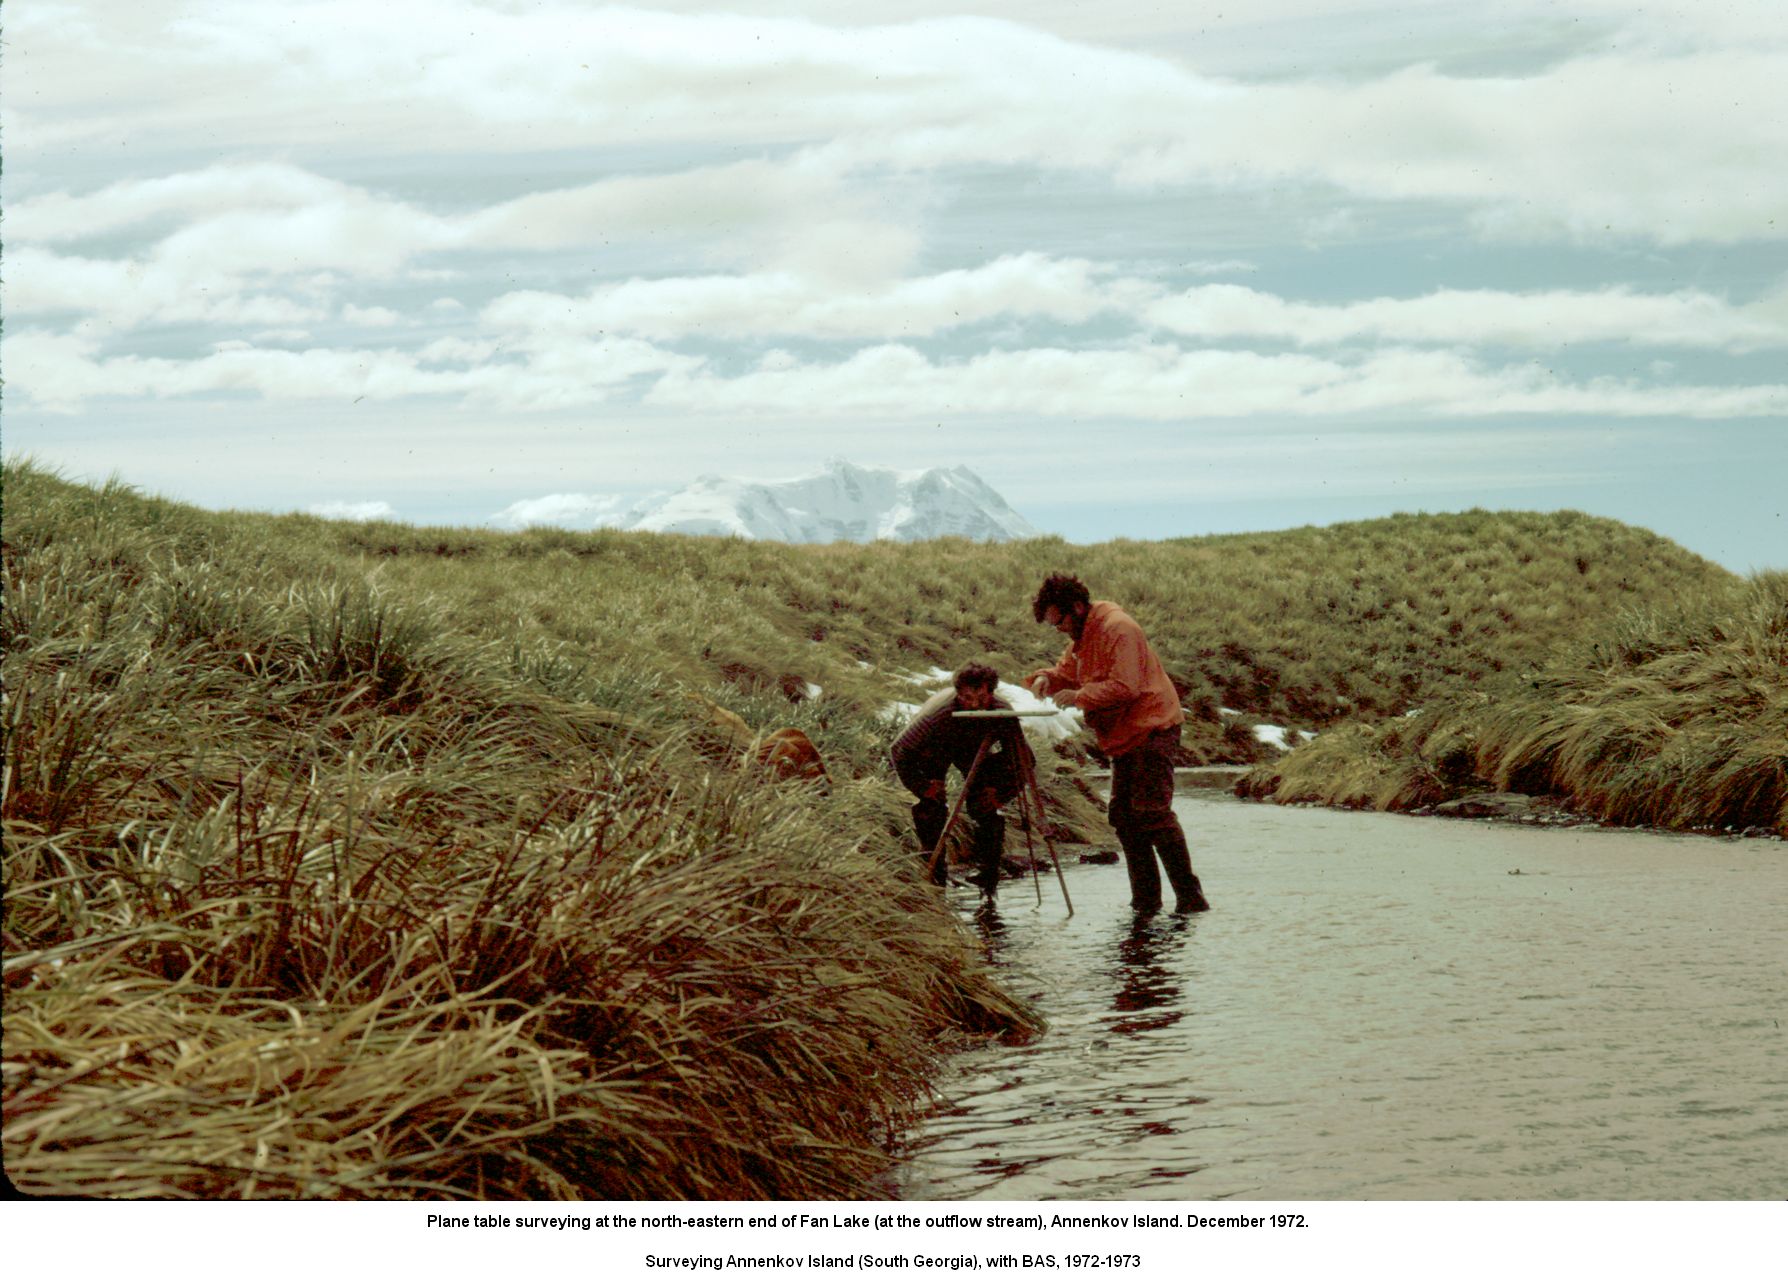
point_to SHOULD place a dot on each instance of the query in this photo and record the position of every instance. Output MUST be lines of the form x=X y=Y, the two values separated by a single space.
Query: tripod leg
x=967 y=785
x=1030 y=850
x=1029 y=771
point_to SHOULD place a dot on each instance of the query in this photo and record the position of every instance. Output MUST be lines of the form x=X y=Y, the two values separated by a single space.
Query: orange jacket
x=1121 y=685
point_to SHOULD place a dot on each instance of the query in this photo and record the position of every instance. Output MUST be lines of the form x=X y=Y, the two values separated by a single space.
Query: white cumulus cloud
x=1686 y=319
x=1027 y=285
x=571 y=510
x=354 y=511
x=1165 y=382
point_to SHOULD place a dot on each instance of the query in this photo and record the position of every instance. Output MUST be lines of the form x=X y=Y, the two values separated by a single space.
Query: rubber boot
x=929 y=817
x=1145 y=878
x=990 y=847
x=1176 y=859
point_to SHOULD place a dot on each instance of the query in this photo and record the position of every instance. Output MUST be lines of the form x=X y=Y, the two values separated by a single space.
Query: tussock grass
x=314 y=891
x=362 y=860
x=1309 y=628
x=658 y=998
x=1671 y=717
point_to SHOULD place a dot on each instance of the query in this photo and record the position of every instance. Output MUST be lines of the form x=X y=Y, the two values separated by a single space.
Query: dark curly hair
x=976 y=674
x=1063 y=592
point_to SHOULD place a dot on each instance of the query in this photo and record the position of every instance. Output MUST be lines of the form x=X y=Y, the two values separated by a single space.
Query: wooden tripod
x=1030 y=805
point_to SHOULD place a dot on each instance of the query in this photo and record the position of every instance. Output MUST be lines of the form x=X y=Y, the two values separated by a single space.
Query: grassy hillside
x=1305 y=627
x=1674 y=717
x=364 y=860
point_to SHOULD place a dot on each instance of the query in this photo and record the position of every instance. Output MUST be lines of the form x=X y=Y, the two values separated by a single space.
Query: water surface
x=1387 y=1007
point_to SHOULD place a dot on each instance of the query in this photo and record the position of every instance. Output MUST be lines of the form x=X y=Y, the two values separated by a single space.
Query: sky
x=1149 y=270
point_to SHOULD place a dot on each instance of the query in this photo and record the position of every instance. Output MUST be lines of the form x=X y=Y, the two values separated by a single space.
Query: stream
x=1380 y=1006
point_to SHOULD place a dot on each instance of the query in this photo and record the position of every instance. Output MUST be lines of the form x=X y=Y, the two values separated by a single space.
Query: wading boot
x=1189 y=904
x=1188 y=894
x=990 y=841
x=1145 y=877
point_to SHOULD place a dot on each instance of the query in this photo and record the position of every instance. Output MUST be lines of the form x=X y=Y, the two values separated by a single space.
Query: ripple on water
x=1379 y=1007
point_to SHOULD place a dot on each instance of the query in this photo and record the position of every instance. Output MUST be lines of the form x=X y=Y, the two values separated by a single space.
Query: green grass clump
x=1669 y=717
x=313 y=891
x=709 y=994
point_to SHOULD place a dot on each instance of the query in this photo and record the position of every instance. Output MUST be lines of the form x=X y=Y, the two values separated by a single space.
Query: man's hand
x=1037 y=683
x=1065 y=698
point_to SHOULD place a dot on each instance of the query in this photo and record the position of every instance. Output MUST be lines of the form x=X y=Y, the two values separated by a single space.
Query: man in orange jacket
x=1110 y=672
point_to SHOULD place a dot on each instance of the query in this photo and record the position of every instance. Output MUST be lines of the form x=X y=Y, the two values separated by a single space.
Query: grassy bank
x=1671 y=717
x=311 y=893
x=364 y=860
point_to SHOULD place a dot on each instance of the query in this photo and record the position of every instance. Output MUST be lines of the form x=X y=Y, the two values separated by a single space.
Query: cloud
x=362 y=511
x=1032 y=286
x=262 y=245
x=1666 y=26
x=1683 y=319
x=278 y=188
x=1027 y=285
x=59 y=372
x=270 y=244
x=370 y=316
x=1208 y=268
x=1152 y=381
x=1693 y=152
x=282 y=218
x=123 y=294
x=1164 y=382
x=797 y=213
x=458 y=349
x=572 y=510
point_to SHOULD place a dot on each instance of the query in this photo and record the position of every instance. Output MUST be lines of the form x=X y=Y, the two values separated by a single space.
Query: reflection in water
x=1385 y=1007
x=1141 y=962
x=1112 y=1071
x=992 y=929
x=1147 y=984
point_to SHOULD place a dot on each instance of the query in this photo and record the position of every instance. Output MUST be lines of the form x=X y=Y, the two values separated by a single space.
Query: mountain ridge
x=844 y=502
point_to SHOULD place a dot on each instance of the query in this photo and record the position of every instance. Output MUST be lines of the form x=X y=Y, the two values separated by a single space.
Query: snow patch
x=1284 y=737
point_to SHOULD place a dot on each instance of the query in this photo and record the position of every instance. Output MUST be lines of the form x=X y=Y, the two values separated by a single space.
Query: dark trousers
x=929 y=816
x=1141 y=813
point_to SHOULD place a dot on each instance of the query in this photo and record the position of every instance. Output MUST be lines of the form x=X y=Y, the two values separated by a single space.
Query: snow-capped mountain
x=843 y=502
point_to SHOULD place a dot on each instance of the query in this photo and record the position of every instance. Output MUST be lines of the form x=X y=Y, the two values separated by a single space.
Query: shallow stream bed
x=1386 y=1007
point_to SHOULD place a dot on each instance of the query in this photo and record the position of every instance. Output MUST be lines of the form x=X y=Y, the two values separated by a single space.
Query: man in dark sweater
x=937 y=739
